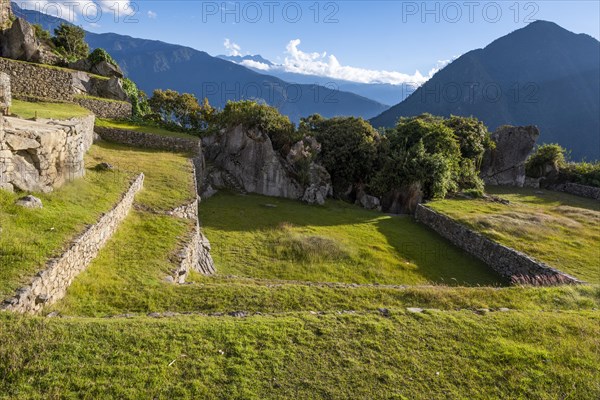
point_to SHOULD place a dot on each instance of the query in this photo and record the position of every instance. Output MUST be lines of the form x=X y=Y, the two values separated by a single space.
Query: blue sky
x=398 y=37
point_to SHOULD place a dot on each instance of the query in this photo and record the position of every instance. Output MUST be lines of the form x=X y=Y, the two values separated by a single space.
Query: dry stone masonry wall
x=105 y=108
x=195 y=255
x=51 y=284
x=511 y=264
x=578 y=190
x=149 y=140
x=38 y=156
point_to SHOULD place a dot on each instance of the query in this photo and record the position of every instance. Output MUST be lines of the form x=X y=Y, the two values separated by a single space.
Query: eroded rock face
x=37 y=156
x=244 y=160
x=505 y=165
x=20 y=43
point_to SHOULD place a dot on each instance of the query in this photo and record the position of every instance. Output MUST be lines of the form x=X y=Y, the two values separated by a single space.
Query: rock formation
x=505 y=165
x=245 y=160
x=20 y=43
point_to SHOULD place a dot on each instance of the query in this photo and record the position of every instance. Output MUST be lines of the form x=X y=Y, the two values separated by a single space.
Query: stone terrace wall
x=578 y=190
x=30 y=80
x=196 y=253
x=105 y=108
x=149 y=140
x=508 y=262
x=51 y=284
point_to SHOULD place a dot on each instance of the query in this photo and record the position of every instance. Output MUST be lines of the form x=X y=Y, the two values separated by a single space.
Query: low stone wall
x=105 y=108
x=195 y=256
x=51 y=284
x=578 y=190
x=511 y=264
x=149 y=140
x=37 y=81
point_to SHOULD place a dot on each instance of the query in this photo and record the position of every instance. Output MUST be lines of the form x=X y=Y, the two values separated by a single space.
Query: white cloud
x=152 y=14
x=233 y=48
x=321 y=64
x=255 y=65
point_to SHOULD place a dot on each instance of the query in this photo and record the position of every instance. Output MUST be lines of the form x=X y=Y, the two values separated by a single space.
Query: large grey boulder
x=111 y=89
x=104 y=68
x=505 y=165
x=367 y=201
x=30 y=202
x=248 y=156
x=244 y=160
x=19 y=42
x=319 y=185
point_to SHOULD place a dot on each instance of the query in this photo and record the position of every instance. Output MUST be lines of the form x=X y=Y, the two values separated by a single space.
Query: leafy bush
x=70 y=42
x=348 y=148
x=139 y=100
x=100 y=55
x=546 y=157
x=584 y=173
x=267 y=119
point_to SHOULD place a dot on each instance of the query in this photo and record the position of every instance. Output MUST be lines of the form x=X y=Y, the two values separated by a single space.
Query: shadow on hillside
x=425 y=253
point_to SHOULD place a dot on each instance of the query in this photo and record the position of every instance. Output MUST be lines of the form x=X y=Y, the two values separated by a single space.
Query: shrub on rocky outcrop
x=70 y=42
x=546 y=159
x=267 y=119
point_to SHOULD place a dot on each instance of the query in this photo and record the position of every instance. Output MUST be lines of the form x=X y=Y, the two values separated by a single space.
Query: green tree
x=348 y=148
x=43 y=35
x=70 y=42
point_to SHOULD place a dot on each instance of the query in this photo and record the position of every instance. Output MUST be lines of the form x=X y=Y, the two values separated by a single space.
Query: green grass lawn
x=28 y=110
x=560 y=229
x=130 y=126
x=30 y=237
x=434 y=355
x=169 y=180
x=335 y=243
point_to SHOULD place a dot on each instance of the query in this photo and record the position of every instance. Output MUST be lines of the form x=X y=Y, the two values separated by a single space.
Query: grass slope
x=557 y=228
x=437 y=354
x=130 y=126
x=335 y=243
x=28 y=110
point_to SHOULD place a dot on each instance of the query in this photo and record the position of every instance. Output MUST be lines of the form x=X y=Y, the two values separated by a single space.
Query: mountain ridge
x=547 y=76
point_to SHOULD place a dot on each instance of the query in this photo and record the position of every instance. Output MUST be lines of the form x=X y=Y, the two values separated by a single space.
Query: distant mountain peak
x=240 y=59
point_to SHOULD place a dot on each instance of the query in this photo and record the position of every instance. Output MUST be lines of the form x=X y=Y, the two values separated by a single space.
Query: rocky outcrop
x=403 y=200
x=51 y=284
x=511 y=264
x=20 y=43
x=246 y=161
x=38 y=156
x=367 y=201
x=505 y=165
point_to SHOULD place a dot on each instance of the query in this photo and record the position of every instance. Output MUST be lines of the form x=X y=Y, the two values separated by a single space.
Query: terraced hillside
x=308 y=302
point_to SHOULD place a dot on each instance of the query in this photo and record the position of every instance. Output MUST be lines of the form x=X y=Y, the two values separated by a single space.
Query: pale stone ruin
x=38 y=156
x=5 y=94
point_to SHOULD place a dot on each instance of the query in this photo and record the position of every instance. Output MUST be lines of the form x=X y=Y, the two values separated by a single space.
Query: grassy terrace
x=30 y=110
x=437 y=354
x=30 y=237
x=270 y=238
x=557 y=228
x=129 y=126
